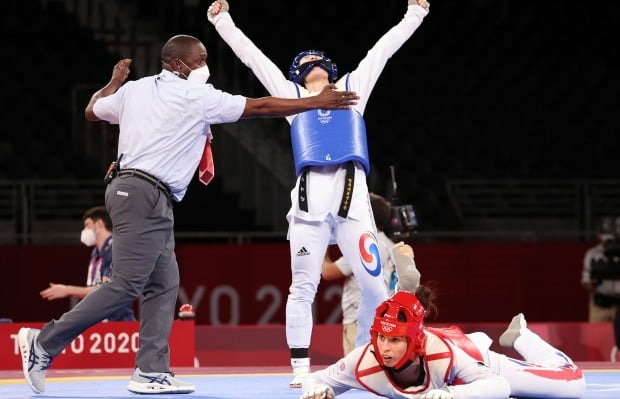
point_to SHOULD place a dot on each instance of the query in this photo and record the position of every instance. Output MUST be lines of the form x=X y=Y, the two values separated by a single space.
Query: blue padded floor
x=601 y=384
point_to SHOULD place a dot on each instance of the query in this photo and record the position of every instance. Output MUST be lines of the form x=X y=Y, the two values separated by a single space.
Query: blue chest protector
x=320 y=137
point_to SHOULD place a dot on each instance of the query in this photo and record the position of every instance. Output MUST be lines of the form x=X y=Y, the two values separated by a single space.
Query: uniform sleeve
x=406 y=270
x=340 y=376
x=263 y=68
x=343 y=266
x=472 y=379
x=109 y=108
x=222 y=107
x=363 y=79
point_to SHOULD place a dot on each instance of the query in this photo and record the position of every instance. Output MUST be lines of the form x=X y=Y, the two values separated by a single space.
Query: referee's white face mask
x=198 y=75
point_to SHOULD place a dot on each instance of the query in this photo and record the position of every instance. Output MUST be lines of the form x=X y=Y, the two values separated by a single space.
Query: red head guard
x=387 y=323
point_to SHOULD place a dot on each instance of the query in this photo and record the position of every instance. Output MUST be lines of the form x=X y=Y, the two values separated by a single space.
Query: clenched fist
x=421 y=3
x=217 y=7
x=120 y=72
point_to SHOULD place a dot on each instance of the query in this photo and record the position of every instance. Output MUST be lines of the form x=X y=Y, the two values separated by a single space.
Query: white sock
x=301 y=363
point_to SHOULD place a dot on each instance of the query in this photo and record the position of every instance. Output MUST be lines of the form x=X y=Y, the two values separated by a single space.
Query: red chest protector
x=458 y=339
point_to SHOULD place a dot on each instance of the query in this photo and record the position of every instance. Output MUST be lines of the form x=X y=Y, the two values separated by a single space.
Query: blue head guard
x=298 y=71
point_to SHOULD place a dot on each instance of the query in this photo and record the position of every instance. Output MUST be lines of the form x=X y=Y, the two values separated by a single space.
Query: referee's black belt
x=149 y=178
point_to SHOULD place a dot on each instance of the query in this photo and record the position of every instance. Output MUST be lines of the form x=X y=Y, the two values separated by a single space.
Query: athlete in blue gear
x=330 y=199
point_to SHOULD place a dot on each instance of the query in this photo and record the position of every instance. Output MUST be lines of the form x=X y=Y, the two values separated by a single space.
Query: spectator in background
x=97 y=233
x=398 y=269
x=604 y=292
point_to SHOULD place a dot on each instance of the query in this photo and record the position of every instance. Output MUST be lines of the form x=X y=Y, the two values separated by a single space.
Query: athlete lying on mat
x=406 y=359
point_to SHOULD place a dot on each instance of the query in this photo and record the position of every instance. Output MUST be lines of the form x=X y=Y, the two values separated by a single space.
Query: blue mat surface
x=600 y=385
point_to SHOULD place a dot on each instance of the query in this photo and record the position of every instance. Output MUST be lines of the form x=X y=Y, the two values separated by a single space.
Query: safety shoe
x=35 y=361
x=150 y=383
x=300 y=373
x=508 y=338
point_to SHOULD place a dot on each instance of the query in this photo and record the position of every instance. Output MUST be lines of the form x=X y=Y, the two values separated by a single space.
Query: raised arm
x=119 y=75
x=263 y=68
x=329 y=98
x=364 y=77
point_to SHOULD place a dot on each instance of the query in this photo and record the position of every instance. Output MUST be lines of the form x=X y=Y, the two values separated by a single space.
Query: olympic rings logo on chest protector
x=369 y=254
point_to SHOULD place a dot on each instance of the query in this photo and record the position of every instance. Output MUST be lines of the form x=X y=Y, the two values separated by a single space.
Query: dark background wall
x=484 y=89
x=492 y=89
x=248 y=284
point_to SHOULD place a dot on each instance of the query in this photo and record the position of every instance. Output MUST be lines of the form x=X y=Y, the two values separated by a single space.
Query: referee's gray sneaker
x=35 y=361
x=150 y=383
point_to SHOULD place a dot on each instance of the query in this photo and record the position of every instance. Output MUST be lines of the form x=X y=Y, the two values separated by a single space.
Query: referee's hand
x=121 y=71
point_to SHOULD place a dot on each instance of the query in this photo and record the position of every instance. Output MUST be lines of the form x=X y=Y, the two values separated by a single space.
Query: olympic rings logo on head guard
x=387 y=327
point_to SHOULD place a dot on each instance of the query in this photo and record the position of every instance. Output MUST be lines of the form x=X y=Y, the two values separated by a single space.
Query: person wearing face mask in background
x=97 y=233
x=164 y=134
